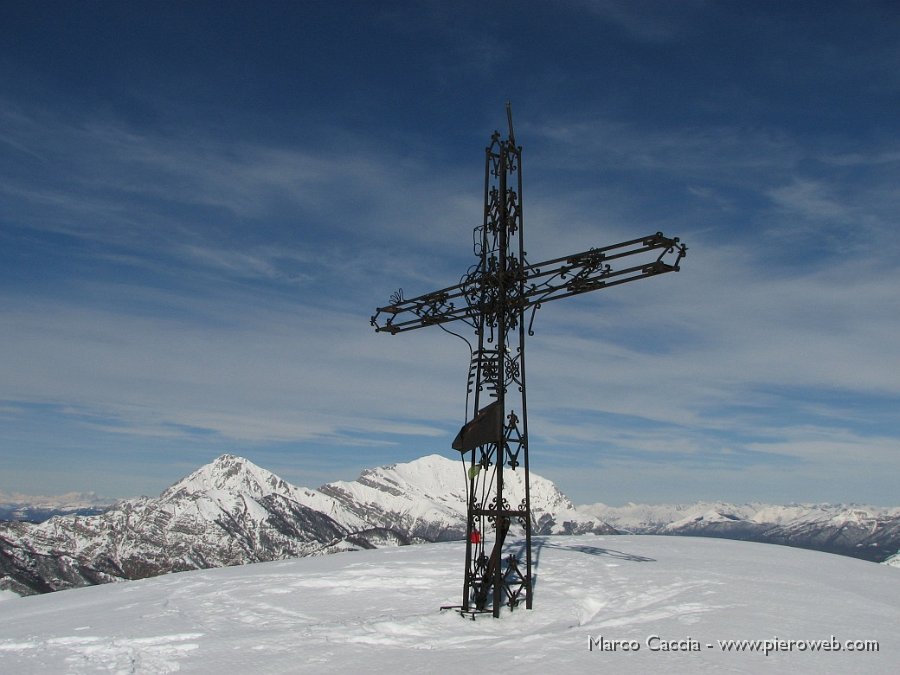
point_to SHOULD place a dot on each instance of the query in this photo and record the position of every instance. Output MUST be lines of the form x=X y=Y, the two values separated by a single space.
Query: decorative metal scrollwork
x=495 y=506
x=513 y=370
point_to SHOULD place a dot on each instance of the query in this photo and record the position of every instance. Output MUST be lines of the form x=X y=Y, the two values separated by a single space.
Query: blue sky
x=202 y=203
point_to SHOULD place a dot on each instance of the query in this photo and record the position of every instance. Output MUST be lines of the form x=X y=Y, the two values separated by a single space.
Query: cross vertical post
x=492 y=298
x=497 y=382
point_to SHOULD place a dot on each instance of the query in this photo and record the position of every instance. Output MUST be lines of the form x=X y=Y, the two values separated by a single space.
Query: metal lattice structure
x=496 y=297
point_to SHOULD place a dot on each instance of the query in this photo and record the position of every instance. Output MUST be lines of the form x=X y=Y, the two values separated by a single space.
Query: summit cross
x=495 y=297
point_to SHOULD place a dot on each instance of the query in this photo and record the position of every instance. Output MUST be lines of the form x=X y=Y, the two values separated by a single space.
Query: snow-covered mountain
x=232 y=512
x=867 y=532
x=426 y=498
x=227 y=513
x=725 y=606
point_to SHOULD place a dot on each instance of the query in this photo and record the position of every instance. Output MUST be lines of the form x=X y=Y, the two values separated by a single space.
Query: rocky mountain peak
x=231 y=474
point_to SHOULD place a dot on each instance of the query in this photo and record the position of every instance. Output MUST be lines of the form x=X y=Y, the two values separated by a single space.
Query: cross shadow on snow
x=596 y=550
x=538 y=544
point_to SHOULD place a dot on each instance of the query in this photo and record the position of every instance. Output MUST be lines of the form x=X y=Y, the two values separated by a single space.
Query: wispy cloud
x=186 y=271
x=647 y=21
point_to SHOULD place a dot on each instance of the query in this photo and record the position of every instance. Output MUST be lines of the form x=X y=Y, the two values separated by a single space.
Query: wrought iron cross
x=494 y=297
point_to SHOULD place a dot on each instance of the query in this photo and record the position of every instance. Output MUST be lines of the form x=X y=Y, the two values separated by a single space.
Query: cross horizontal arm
x=592 y=270
x=443 y=306
x=531 y=285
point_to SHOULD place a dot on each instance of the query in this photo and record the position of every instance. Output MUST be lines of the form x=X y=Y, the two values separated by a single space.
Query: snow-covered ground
x=378 y=611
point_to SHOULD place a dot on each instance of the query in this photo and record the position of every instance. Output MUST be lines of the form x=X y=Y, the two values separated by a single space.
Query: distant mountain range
x=36 y=509
x=232 y=512
x=867 y=532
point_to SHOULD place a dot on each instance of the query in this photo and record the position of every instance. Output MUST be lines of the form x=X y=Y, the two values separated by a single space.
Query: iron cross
x=495 y=297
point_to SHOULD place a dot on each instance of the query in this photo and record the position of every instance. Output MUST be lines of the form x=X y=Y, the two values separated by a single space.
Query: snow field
x=378 y=611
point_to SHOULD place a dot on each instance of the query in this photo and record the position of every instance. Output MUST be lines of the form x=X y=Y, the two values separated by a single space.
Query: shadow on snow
x=538 y=544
